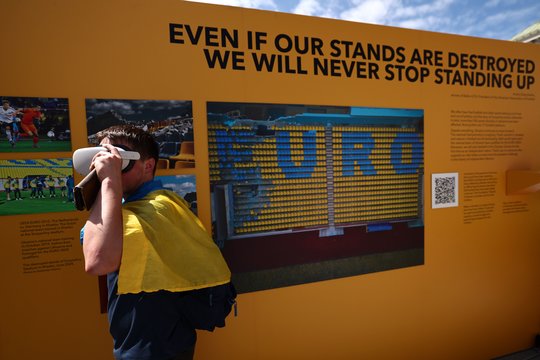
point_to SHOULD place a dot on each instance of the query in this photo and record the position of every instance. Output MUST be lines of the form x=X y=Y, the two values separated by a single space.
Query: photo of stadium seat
x=186 y=152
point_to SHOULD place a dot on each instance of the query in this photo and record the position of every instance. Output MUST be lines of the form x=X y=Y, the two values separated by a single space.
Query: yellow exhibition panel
x=373 y=189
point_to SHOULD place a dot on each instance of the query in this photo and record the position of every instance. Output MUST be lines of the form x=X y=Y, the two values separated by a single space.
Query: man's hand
x=108 y=164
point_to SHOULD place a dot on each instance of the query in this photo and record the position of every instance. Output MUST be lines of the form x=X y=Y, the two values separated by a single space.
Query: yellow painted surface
x=522 y=182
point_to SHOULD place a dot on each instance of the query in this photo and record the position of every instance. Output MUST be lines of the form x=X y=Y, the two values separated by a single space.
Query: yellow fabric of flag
x=167 y=248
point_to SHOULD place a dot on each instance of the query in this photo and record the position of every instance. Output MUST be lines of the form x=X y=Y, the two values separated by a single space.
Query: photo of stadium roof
x=169 y=121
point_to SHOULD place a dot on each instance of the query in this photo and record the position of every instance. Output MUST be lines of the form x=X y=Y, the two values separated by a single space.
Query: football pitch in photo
x=26 y=145
x=34 y=206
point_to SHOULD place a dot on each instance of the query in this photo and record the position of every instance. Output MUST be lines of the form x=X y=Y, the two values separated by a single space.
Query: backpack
x=208 y=308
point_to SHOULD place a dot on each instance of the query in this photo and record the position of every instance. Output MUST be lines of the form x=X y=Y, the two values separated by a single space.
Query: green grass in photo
x=26 y=145
x=34 y=206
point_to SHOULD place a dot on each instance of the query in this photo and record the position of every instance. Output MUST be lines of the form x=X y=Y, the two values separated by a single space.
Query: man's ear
x=149 y=165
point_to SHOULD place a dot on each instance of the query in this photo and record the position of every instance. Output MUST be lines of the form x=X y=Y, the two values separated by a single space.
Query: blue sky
x=494 y=19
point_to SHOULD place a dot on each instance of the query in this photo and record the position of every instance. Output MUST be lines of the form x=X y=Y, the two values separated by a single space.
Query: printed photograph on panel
x=309 y=193
x=34 y=124
x=36 y=186
x=184 y=186
x=170 y=121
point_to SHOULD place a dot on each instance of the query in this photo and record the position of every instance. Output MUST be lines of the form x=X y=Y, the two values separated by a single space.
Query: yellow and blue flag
x=166 y=247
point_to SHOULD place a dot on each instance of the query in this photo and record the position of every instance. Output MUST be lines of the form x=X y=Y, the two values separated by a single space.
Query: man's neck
x=143 y=190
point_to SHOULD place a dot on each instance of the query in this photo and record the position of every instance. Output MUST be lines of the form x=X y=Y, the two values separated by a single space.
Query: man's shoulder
x=153 y=209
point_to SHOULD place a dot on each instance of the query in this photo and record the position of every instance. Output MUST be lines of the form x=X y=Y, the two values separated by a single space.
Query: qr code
x=444 y=190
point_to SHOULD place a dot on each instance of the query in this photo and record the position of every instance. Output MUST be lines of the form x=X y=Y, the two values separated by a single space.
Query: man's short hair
x=138 y=140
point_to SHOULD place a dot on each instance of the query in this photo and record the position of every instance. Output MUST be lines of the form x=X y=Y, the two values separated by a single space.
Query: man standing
x=27 y=123
x=33 y=187
x=152 y=248
x=62 y=185
x=16 y=190
x=51 y=185
x=8 y=119
x=7 y=188
x=40 y=184
x=70 y=184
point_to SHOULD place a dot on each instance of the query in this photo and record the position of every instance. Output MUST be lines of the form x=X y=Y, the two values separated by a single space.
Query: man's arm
x=103 y=232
